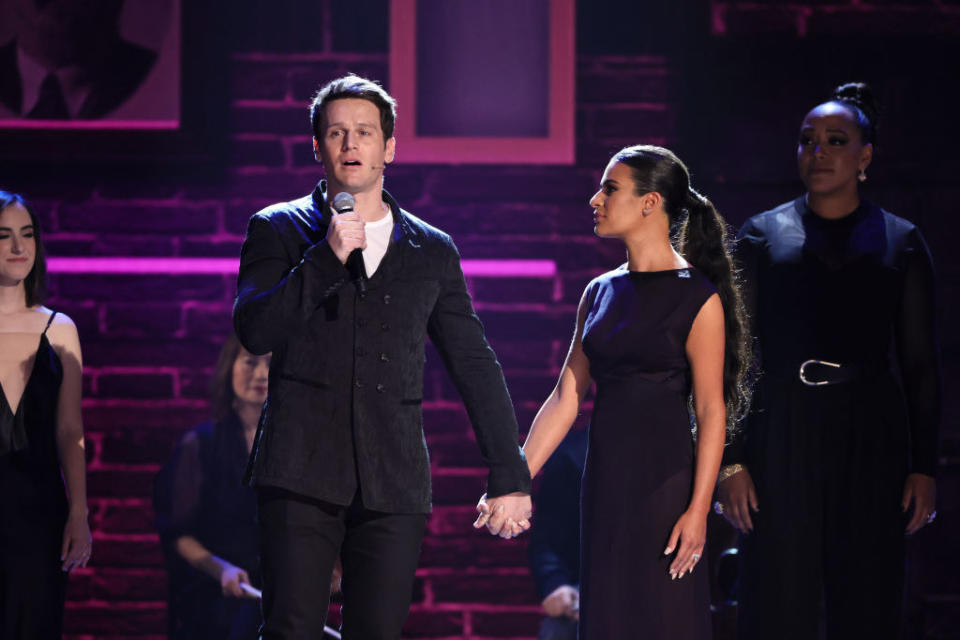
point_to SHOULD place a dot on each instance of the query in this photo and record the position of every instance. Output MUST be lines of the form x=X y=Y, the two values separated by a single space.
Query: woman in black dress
x=44 y=533
x=666 y=323
x=838 y=456
x=207 y=515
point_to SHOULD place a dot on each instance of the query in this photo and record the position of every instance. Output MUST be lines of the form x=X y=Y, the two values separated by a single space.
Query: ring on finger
x=695 y=556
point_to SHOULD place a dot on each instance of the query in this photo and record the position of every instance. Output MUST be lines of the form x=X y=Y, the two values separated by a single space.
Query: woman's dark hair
x=700 y=235
x=35 y=284
x=858 y=96
x=221 y=386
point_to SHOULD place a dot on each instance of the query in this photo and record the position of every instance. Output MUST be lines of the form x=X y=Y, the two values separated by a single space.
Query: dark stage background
x=724 y=83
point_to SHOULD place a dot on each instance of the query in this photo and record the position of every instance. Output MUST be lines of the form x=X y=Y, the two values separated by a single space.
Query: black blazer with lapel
x=346 y=378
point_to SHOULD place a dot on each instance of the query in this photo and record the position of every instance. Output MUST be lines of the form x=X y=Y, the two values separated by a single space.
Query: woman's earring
x=646 y=212
x=862 y=176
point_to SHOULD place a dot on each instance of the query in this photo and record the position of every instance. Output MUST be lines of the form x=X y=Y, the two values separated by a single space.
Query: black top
x=343 y=412
x=32 y=428
x=858 y=291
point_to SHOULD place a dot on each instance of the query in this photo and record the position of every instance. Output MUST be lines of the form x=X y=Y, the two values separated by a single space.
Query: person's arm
x=559 y=411
x=77 y=542
x=182 y=521
x=228 y=575
x=919 y=358
x=552 y=422
x=458 y=335
x=277 y=293
x=705 y=349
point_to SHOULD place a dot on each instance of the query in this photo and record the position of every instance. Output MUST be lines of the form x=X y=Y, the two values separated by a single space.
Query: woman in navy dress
x=837 y=462
x=44 y=533
x=667 y=323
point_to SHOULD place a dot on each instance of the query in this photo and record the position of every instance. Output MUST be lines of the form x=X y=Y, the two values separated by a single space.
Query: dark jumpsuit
x=829 y=461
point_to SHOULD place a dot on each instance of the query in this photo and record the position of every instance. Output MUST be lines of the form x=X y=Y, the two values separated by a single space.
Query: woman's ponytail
x=703 y=240
x=701 y=237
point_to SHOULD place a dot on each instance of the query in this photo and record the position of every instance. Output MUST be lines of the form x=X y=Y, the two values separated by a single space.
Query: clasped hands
x=506 y=516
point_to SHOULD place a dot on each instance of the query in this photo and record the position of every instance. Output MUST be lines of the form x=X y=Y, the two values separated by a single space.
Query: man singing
x=340 y=462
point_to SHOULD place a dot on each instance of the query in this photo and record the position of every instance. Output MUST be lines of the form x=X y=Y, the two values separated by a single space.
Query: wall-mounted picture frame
x=132 y=81
x=488 y=82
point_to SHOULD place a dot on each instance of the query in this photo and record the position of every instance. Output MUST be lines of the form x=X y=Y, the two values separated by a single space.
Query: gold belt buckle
x=817 y=383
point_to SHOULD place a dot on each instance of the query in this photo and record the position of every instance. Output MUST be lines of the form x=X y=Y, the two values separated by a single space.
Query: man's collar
x=323 y=207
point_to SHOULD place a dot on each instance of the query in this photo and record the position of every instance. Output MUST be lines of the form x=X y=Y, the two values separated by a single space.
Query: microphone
x=343 y=202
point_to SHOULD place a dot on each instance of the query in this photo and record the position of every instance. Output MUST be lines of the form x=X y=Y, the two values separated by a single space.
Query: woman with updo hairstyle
x=666 y=325
x=837 y=459
x=44 y=534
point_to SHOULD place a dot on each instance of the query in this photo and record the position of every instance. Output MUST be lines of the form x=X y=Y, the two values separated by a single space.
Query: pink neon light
x=510 y=268
x=91 y=124
x=229 y=266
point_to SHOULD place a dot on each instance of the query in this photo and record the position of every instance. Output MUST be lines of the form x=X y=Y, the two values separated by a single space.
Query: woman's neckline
x=656 y=271
x=851 y=215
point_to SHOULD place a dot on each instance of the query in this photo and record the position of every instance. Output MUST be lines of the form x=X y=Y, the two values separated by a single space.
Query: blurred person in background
x=207 y=515
x=554 y=549
x=44 y=533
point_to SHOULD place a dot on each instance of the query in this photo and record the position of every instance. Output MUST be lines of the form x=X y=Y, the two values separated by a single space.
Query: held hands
x=346 y=233
x=231 y=577
x=564 y=602
x=77 y=543
x=738 y=496
x=691 y=532
x=921 y=490
x=506 y=516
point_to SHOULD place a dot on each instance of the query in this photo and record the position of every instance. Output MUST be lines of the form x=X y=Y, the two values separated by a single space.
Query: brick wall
x=150 y=340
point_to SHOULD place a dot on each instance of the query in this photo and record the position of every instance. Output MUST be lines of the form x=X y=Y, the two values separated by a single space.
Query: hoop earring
x=862 y=176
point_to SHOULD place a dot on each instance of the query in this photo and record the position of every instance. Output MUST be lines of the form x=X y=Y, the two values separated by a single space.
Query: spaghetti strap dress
x=639 y=472
x=33 y=505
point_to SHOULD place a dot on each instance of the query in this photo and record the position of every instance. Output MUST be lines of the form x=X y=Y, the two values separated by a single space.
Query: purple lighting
x=144 y=125
x=229 y=266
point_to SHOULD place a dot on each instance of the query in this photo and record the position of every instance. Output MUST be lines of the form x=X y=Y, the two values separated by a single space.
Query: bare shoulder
x=708 y=323
x=62 y=332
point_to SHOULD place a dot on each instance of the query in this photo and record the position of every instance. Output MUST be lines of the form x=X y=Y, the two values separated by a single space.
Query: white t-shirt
x=378 y=239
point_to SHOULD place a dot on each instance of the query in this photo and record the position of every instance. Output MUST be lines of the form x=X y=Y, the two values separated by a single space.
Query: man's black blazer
x=346 y=378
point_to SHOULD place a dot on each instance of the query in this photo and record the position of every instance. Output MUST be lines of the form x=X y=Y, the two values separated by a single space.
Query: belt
x=818 y=373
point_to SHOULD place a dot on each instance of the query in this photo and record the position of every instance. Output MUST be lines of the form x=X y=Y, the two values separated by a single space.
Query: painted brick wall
x=150 y=341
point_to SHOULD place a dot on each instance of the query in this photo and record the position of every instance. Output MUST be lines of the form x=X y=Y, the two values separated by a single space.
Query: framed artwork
x=483 y=82
x=106 y=79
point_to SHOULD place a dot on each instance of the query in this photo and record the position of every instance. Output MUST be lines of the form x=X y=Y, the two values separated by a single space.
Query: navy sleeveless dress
x=33 y=505
x=640 y=459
